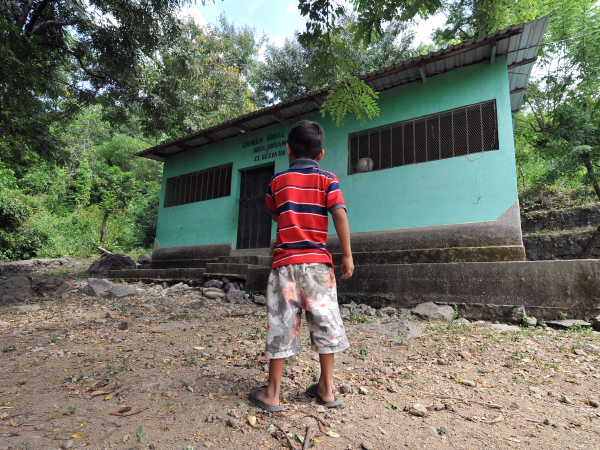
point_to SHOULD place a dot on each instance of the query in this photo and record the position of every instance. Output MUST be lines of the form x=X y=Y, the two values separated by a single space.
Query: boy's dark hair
x=305 y=139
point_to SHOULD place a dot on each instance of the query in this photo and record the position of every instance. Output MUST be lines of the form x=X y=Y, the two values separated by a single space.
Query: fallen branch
x=104 y=251
x=307 y=438
x=292 y=446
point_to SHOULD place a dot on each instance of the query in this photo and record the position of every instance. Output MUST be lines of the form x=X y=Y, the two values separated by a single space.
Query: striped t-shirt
x=301 y=197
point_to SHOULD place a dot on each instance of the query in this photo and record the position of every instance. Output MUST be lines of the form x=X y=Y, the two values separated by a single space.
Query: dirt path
x=69 y=377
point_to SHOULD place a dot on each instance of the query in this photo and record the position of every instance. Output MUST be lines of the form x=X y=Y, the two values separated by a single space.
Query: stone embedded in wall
x=431 y=311
x=562 y=219
x=568 y=245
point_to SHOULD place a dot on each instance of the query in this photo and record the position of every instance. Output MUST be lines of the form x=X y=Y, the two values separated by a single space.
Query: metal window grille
x=198 y=186
x=457 y=132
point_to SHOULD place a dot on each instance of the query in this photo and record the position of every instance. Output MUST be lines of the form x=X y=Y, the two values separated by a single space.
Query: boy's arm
x=275 y=217
x=340 y=221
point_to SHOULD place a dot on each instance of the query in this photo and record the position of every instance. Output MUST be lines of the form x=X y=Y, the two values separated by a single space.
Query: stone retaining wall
x=487 y=291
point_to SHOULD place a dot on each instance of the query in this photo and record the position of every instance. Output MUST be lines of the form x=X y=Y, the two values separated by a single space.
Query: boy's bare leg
x=325 y=387
x=270 y=395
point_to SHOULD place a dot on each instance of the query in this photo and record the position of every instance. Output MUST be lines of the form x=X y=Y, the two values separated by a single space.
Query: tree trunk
x=586 y=253
x=103 y=231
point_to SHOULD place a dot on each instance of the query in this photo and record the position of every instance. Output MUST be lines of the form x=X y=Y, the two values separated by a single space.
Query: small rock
x=435 y=407
x=259 y=300
x=531 y=322
x=594 y=403
x=96 y=287
x=233 y=423
x=464 y=355
x=252 y=420
x=207 y=444
x=560 y=426
x=345 y=389
x=579 y=352
x=213 y=283
x=124 y=325
x=67 y=444
x=363 y=390
x=547 y=421
x=516 y=315
x=461 y=321
x=121 y=291
x=344 y=312
x=37 y=349
x=417 y=410
x=235 y=296
x=430 y=431
x=99 y=321
x=431 y=311
x=196 y=305
x=321 y=409
x=146 y=258
x=468 y=383
x=247 y=342
x=565 y=399
x=442 y=362
x=503 y=327
x=386 y=370
x=214 y=295
x=366 y=445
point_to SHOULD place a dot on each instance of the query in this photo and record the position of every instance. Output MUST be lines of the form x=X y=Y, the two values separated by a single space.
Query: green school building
x=434 y=171
x=430 y=186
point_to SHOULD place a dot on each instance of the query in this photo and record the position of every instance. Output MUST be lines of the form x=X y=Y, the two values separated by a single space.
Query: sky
x=279 y=19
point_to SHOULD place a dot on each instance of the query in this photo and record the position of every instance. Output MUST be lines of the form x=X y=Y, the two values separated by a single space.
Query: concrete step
x=255 y=260
x=267 y=251
x=437 y=255
x=229 y=276
x=227 y=268
x=158 y=274
x=181 y=263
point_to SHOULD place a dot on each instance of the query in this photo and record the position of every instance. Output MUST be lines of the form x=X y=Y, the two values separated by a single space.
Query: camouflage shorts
x=308 y=287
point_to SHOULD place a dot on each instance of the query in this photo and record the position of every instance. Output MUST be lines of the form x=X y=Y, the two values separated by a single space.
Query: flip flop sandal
x=312 y=392
x=256 y=402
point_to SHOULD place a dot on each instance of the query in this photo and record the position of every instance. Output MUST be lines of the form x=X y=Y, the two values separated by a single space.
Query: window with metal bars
x=457 y=132
x=198 y=186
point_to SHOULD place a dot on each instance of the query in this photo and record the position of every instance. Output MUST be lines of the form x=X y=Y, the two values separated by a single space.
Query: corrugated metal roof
x=520 y=43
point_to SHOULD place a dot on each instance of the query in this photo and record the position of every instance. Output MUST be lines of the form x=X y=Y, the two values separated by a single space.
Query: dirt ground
x=178 y=378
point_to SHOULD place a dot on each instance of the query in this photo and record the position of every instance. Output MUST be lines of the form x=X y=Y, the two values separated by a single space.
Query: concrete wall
x=468 y=189
x=482 y=290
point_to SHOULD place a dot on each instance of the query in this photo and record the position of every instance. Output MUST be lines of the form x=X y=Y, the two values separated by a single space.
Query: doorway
x=254 y=222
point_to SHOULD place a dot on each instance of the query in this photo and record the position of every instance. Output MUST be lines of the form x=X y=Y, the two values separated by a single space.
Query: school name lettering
x=269 y=155
x=273 y=141
x=268 y=147
x=259 y=140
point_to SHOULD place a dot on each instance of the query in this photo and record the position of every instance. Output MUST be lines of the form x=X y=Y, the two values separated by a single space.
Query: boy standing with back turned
x=302 y=275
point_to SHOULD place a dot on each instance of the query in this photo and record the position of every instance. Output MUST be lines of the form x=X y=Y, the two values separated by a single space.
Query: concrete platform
x=481 y=290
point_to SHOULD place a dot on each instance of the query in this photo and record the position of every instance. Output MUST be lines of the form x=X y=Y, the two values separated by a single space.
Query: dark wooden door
x=254 y=223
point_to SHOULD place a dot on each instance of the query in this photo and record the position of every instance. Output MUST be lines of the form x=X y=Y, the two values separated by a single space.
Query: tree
x=326 y=22
x=563 y=101
x=59 y=56
x=113 y=191
x=198 y=80
x=470 y=19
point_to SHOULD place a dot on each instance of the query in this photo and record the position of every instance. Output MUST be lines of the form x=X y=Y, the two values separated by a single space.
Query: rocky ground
x=151 y=366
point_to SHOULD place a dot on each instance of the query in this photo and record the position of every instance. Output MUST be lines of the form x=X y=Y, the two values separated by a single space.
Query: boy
x=302 y=273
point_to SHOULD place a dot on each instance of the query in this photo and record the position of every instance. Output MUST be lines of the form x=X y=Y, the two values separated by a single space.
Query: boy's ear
x=289 y=150
x=320 y=156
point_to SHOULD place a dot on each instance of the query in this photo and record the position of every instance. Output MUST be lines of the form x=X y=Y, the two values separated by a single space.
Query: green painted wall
x=475 y=188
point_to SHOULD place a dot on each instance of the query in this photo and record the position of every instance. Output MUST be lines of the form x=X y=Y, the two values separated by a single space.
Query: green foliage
x=59 y=58
x=198 y=80
x=352 y=96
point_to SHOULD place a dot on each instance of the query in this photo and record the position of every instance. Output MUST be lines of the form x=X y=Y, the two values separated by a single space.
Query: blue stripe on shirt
x=302 y=208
